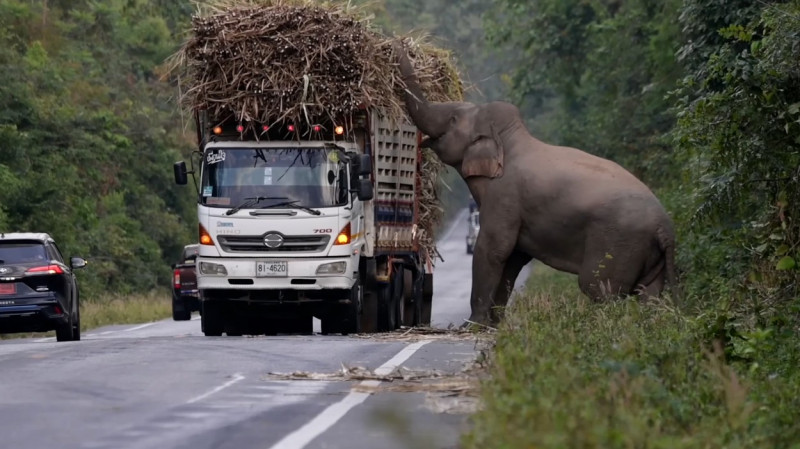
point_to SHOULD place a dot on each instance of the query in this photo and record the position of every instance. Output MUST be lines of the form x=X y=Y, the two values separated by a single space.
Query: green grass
x=568 y=373
x=117 y=309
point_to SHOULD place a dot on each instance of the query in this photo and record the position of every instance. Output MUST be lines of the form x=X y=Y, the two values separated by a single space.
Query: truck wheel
x=387 y=306
x=211 y=321
x=427 y=300
x=410 y=317
x=369 y=312
x=302 y=324
x=346 y=318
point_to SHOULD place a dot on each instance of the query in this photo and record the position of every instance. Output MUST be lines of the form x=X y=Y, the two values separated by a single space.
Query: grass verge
x=568 y=373
x=117 y=309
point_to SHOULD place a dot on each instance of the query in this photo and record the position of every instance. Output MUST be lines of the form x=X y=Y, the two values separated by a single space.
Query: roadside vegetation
x=117 y=309
x=700 y=99
x=569 y=373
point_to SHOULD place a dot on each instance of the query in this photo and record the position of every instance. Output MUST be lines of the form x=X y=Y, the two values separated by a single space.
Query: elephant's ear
x=484 y=157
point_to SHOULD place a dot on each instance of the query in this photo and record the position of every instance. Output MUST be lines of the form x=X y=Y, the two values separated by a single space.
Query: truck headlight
x=332 y=268
x=213 y=269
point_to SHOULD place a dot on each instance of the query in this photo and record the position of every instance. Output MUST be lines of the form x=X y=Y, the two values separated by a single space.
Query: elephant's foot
x=478 y=323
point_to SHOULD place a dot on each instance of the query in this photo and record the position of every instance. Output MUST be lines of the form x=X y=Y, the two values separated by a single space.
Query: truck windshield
x=313 y=177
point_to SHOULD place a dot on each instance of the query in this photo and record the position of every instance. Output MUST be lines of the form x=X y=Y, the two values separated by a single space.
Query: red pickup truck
x=185 y=296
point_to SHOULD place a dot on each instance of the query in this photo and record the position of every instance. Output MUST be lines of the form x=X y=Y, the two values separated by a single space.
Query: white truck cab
x=287 y=230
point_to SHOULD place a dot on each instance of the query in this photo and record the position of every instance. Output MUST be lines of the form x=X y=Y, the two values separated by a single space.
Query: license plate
x=272 y=269
x=8 y=289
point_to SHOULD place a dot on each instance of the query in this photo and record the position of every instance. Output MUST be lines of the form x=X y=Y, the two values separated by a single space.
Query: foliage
x=108 y=309
x=569 y=373
x=739 y=139
x=594 y=74
x=88 y=138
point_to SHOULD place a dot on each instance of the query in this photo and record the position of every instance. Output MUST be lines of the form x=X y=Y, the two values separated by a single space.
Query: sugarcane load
x=314 y=196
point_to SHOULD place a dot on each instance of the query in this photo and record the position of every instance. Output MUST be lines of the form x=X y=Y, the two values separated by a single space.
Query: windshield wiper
x=293 y=204
x=252 y=201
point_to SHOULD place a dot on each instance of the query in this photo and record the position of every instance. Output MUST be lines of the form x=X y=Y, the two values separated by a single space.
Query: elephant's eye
x=452 y=119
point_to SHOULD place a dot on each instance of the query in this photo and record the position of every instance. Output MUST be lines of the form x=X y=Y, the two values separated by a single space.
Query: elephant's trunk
x=426 y=116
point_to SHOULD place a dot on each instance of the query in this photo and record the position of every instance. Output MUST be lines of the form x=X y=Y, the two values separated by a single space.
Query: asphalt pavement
x=164 y=385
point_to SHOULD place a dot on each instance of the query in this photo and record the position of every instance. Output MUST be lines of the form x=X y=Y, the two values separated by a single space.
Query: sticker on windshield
x=333 y=156
x=208 y=190
x=267 y=180
x=213 y=158
x=218 y=201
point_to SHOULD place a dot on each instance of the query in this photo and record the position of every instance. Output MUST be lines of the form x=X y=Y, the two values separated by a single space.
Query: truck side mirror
x=364 y=165
x=179 y=169
x=365 y=191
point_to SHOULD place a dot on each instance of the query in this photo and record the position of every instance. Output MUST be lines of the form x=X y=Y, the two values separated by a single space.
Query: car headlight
x=332 y=268
x=213 y=269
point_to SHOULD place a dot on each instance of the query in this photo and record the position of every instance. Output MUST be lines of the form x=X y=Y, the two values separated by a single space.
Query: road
x=163 y=385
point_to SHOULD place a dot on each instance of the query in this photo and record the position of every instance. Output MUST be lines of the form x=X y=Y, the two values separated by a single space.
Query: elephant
x=561 y=206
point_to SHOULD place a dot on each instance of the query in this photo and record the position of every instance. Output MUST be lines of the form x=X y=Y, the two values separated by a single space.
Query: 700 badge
x=273 y=268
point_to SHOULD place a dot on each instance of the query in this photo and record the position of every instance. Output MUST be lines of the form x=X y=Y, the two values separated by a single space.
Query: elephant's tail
x=666 y=241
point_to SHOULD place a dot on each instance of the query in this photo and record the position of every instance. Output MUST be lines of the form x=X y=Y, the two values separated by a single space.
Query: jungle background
x=699 y=98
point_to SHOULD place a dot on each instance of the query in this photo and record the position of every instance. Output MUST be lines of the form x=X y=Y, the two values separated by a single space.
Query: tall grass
x=569 y=373
x=117 y=309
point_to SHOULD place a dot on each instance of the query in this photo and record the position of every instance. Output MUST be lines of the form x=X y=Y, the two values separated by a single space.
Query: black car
x=38 y=290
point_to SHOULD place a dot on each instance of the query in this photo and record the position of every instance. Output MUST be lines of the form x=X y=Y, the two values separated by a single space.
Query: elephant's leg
x=514 y=265
x=493 y=248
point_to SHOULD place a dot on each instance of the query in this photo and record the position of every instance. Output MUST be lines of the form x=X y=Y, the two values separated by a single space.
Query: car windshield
x=22 y=252
x=311 y=177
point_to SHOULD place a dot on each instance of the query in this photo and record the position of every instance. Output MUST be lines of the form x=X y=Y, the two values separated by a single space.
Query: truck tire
x=409 y=300
x=301 y=324
x=369 y=301
x=427 y=299
x=387 y=305
x=212 y=321
x=345 y=318
x=369 y=311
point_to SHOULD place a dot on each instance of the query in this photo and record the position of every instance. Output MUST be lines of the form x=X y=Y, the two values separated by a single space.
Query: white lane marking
x=331 y=415
x=44 y=340
x=236 y=378
x=138 y=327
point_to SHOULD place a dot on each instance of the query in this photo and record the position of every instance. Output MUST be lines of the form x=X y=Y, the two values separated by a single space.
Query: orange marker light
x=344 y=236
x=217 y=130
x=339 y=130
x=205 y=237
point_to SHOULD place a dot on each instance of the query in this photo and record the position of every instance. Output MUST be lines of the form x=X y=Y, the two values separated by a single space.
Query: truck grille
x=291 y=243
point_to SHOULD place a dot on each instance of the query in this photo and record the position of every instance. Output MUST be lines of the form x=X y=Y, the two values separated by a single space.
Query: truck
x=185 y=295
x=303 y=220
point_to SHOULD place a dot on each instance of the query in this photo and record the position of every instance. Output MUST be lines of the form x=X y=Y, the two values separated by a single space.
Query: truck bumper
x=301 y=275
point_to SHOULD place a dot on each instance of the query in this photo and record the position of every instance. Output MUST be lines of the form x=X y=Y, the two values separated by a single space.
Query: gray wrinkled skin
x=566 y=208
